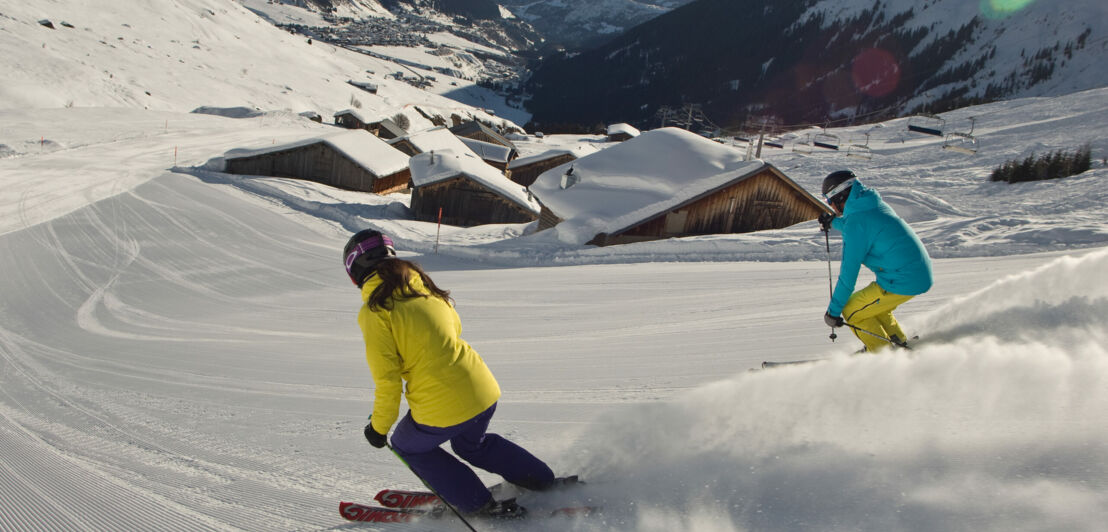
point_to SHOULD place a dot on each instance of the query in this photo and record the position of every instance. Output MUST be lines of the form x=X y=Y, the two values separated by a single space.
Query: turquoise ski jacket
x=874 y=236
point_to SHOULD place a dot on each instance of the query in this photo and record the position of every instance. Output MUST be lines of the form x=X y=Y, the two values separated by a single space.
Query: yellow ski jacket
x=419 y=341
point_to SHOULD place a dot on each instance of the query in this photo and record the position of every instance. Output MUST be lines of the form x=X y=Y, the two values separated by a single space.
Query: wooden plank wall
x=397 y=182
x=465 y=203
x=547 y=219
x=760 y=202
x=316 y=162
x=526 y=175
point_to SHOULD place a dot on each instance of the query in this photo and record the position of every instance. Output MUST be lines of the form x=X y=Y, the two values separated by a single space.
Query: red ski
x=374 y=514
x=405 y=499
x=352 y=511
x=391 y=498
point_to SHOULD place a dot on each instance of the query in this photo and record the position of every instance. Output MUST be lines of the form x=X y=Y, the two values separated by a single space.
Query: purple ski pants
x=419 y=445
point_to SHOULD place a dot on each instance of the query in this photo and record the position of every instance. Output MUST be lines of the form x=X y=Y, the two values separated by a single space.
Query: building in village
x=468 y=191
x=621 y=132
x=525 y=170
x=434 y=139
x=667 y=183
x=495 y=155
x=384 y=128
x=478 y=131
x=353 y=160
x=351 y=119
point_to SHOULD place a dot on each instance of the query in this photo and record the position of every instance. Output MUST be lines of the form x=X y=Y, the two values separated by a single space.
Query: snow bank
x=994 y=419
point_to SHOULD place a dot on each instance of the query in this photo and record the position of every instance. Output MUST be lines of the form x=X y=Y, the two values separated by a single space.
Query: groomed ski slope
x=179 y=352
x=183 y=357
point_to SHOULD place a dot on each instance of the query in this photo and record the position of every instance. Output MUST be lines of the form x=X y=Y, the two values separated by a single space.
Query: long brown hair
x=394 y=274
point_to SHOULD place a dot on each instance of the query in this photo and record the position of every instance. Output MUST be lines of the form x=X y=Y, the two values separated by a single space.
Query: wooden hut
x=525 y=170
x=386 y=129
x=668 y=183
x=621 y=132
x=468 y=191
x=496 y=155
x=434 y=139
x=353 y=160
x=351 y=119
x=477 y=130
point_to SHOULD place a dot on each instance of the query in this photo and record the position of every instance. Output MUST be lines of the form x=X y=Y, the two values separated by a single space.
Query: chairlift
x=826 y=141
x=927 y=124
x=861 y=151
x=962 y=142
x=775 y=143
x=804 y=147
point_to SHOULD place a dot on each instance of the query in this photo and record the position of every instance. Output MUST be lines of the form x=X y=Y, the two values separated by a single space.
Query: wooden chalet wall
x=317 y=162
x=766 y=200
x=526 y=175
x=405 y=146
x=397 y=182
x=465 y=203
x=547 y=219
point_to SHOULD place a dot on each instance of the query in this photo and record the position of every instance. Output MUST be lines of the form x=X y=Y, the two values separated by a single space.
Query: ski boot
x=505 y=509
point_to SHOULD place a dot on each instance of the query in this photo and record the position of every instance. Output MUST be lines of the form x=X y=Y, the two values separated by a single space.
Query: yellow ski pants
x=871 y=309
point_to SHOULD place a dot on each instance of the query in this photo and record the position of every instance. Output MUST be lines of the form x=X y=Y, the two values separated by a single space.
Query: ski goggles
x=381 y=246
x=838 y=189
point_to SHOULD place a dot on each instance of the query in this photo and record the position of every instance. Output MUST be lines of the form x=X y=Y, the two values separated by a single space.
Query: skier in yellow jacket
x=412 y=334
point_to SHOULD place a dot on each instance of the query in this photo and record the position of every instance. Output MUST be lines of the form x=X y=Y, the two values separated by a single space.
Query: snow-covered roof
x=356 y=114
x=488 y=150
x=576 y=151
x=475 y=127
x=359 y=145
x=626 y=129
x=436 y=139
x=623 y=185
x=440 y=165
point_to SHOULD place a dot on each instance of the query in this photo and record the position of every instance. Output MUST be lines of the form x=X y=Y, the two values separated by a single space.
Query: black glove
x=825 y=221
x=832 y=321
x=375 y=438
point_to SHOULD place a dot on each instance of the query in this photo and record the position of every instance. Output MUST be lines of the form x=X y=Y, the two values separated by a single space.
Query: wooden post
x=438 y=231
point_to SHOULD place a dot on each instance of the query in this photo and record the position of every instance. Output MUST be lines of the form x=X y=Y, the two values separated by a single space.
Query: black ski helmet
x=363 y=251
x=836 y=186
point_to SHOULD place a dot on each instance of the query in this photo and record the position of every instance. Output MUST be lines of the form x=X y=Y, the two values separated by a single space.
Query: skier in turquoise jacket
x=874 y=237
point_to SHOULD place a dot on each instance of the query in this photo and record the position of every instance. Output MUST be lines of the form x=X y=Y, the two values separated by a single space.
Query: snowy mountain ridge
x=814 y=62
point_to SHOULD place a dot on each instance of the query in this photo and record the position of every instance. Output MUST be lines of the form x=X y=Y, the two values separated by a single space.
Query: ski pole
x=830 y=287
x=903 y=344
x=444 y=501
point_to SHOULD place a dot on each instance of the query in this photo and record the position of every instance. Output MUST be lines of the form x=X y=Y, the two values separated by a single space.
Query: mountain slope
x=815 y=61
x=578 y=23
x=180 y=55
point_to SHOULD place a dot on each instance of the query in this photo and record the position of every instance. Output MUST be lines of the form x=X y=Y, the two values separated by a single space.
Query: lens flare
x=1002 y=8
x=875 y=72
